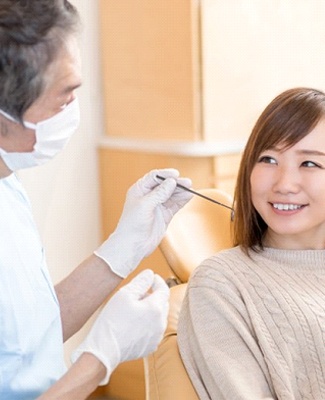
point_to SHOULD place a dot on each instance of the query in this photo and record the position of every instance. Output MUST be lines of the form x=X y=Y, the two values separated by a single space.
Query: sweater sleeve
x=217 y=341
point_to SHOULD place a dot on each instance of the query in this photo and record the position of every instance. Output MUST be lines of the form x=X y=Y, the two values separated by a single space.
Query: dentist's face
x=63 y=77
x=288 y=191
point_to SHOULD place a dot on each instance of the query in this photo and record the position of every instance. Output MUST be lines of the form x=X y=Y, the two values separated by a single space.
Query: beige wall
x=64 y=192
x=204 y=70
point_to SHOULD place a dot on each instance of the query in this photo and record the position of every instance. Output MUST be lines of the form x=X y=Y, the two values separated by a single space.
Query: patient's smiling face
x=288 y=191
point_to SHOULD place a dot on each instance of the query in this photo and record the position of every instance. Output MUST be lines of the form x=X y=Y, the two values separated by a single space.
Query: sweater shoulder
x=224 y=261
x=222 y=268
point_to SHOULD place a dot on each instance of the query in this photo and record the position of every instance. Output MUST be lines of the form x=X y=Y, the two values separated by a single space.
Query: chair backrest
x=197 y=231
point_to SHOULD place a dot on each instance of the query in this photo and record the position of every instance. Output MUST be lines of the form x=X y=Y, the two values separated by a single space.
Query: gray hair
x=31 y=34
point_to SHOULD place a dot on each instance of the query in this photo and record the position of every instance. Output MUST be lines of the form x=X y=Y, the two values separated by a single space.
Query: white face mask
x=52 y=135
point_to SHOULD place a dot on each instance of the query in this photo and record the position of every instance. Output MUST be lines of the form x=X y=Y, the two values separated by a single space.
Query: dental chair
x=197 y=231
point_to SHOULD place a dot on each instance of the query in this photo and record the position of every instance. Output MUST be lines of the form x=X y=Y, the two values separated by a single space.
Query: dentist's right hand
x=130 y=325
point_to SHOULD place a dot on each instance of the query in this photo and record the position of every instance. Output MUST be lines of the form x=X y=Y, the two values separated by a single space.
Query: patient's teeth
x=281 y=206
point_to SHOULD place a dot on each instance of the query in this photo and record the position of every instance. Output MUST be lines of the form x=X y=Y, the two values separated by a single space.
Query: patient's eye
x=310 y=164
x=267 y=160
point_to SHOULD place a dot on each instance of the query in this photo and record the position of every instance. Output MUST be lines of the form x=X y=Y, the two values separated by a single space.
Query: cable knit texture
x=254 y=327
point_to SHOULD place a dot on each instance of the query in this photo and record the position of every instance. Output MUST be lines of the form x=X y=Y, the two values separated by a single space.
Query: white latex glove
x=130 y=325
x=149 y=207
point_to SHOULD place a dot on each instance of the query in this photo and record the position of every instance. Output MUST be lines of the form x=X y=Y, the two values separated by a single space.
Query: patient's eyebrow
x=311 y=152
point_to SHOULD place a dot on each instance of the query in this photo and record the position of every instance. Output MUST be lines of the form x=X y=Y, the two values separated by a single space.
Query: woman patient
x=252 y=324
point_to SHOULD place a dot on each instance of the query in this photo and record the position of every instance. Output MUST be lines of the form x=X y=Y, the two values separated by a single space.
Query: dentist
x=39 y=111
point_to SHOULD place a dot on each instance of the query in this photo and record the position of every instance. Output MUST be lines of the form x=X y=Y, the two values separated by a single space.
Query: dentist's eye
x=266 y=160
x=67 y=100
x=63 y=106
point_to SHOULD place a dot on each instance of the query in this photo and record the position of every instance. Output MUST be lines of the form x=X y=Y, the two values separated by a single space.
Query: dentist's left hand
x=149 y=207
x=131 y=324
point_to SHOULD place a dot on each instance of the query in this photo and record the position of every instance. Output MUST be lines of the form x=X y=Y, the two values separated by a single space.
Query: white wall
x=64 y=192
x=252 y=50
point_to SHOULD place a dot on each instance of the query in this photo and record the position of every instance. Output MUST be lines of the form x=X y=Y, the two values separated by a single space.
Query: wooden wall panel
x=150 y=66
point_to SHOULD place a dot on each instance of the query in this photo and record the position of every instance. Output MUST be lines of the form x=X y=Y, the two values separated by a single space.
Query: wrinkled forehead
x=65 y=70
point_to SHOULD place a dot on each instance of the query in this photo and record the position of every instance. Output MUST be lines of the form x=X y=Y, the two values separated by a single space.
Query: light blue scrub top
x=31 y=346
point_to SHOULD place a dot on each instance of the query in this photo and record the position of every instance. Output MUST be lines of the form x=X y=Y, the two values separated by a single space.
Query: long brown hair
x=285 y=121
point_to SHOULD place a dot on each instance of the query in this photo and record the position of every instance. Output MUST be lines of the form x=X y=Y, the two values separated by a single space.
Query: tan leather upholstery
x=165 y=374
x=196 y=232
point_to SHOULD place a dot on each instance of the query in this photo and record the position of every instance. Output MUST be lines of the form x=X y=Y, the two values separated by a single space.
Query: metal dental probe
x=201 y=195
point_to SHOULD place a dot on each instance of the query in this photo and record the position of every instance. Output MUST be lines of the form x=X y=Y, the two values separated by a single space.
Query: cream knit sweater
x=254 y=328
